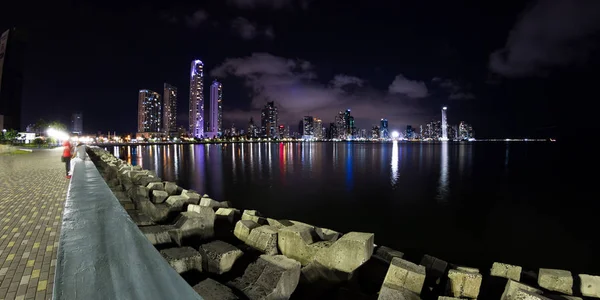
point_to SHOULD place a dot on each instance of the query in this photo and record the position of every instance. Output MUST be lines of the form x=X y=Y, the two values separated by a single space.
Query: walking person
x=66 y=158
x=79 y=154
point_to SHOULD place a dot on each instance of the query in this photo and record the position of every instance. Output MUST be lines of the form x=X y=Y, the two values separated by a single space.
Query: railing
x=102 y=254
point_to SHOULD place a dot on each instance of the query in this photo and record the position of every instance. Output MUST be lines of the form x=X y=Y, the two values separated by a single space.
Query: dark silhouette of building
x=12 y=51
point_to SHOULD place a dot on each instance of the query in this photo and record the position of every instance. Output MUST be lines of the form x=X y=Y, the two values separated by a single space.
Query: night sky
x=512 y=69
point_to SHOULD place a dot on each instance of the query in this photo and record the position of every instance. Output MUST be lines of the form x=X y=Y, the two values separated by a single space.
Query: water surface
x=469 y=203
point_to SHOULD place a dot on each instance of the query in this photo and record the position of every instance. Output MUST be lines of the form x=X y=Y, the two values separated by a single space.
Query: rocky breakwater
x=228 y=253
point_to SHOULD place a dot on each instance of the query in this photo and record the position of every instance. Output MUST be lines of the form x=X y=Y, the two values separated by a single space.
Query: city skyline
x=312 y=65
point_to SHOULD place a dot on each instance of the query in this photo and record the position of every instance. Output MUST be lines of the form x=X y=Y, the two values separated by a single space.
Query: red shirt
x=67 y=150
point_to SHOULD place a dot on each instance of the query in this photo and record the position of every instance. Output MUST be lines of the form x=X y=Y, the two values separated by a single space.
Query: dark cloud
x=272 y=4
x=248 y=30
x=410 y=88
x=294 y=86
x=461 y=96
x=453 y=88
x=196 y=18
x=552 y=33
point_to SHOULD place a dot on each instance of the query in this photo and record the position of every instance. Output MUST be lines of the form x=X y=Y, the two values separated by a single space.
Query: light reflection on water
x=443 y=186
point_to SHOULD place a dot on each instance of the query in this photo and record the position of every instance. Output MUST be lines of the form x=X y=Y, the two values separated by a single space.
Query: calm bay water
x=470 y=203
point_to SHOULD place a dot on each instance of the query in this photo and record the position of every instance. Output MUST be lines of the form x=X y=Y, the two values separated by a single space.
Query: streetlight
x=395 y=134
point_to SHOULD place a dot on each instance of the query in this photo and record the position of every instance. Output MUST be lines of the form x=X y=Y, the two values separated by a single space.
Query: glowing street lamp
x=395 y=134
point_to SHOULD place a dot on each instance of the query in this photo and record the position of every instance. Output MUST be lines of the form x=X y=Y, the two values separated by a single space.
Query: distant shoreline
x=300 y=141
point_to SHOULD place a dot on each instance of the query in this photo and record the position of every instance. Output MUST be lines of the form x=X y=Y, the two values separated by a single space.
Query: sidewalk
x=33 y=189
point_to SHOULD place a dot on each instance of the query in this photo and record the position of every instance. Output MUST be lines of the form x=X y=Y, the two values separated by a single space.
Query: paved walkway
x=33 y=189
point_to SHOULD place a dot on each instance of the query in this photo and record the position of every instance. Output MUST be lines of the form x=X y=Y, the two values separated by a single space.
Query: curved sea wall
x=228 y=253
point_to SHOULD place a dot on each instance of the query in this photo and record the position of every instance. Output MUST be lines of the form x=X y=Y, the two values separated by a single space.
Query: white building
x=214 y=122
x=196 y=115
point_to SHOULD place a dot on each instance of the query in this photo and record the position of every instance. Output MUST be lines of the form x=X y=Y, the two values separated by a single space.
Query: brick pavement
x=33 y=189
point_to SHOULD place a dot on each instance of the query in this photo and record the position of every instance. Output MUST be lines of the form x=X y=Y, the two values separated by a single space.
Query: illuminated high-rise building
x=318 y=128
x=197 y=99
x=269 y=120
x=444 y=125
x=340 y=126
x=149 y=111
x=169 y=109
x=385 y=133
x=308 y=130
x=375 y=132
x=214 y=122
x=77 y=123
x=465 y=131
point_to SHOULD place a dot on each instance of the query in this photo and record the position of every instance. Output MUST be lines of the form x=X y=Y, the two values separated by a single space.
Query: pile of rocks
x=239 y=254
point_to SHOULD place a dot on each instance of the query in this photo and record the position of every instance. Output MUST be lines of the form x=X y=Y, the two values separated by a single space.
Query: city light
x=395 y=134
x=444 y=108
x=57 y=134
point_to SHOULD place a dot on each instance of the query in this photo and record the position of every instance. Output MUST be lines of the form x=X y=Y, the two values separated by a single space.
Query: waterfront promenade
x=33 y=189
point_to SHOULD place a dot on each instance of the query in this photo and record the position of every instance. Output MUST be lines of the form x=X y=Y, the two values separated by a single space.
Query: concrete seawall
x=229 y=253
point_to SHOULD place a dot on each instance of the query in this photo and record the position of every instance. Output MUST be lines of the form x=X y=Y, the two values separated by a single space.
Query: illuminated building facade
x=384 y=131
x=169 y=109
x=269 y=120
x=77 y=123
x=444 y=125
x=149 y=111
x=214 y=122
x=196 y=113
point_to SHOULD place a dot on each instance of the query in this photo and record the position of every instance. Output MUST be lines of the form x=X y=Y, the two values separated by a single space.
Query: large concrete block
x=253 y=215
x=219 y=256
x=590 y=285
x=317 y=274
x=327 y=234
x=506 y=271
x=387 y=254
x=464 y=284
x=155 y=186
x=512 y=287
x=264 y=239
x=145 y=180
x=171 y=188
x=212 y=290
x=270 y=277
x=158 y=234
x=527 y=295
x=556 y=280
x=183 y=259
x=228 y=214
x=348 y=253
x=205 y=201
x=139 y=218
x=294 y=243
x=190 y=196
x=406 y=275
x=435 y=268
x=159 y=196
x=176 y=202
x=387 y=293
x=194 y=225
x=279 y=223
x=243 y=228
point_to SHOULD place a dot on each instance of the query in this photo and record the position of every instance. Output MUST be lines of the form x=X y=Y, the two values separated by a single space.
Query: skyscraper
x=318 y=128
x=12 y=50
x=308 y=127
x=169 y=109
x=77 y=123
x=252 y=129
x=385 y=133
x=340 y=126
x=149 y=111
x=347 y=125
x=197 y=99
x=444 y=125
x=214 y=122
x=269 y=120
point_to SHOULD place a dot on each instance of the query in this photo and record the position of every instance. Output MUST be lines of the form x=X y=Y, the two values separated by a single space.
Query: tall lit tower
x=169 y=108
x=149 y=111
x=269 y=120
x=444 y=125
x=385 y=133
x=215 y=109
x=197 y=99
